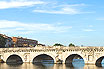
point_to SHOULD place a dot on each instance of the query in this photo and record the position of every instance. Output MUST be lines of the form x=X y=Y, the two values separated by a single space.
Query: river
x=75 y=65
x=46 y=66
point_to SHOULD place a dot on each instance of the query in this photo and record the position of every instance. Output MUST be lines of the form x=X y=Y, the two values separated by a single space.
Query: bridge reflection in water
x=47 y=66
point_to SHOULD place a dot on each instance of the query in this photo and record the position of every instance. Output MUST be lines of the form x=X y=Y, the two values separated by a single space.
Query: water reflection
x=14 y=64
x=74 y=65
x=78 y=63
x=46 y=66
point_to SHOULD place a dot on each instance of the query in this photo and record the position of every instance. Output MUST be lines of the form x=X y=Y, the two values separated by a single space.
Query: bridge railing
x=52 y=48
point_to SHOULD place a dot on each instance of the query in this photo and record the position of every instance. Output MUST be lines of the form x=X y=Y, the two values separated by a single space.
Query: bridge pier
x=90 y=59
x=90 y=63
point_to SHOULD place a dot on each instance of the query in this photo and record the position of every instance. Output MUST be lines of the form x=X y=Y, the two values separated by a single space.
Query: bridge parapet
x=51 y=48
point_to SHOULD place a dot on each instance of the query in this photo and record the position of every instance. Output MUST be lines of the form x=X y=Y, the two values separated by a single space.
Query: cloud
x=44 y=6
x=100 y=18
x=90 y=26
x=19 y=3
x=67 y=11
x=26 y=28
x=64 y=10
x=61 y=9
x=88 y=30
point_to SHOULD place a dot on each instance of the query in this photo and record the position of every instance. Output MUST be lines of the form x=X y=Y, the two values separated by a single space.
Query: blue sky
x=54 y=21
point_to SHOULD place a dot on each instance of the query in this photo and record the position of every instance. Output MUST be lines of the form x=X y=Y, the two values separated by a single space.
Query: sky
x=80 y=22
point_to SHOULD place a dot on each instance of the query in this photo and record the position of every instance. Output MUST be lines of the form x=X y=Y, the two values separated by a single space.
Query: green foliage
x=57 y=44
x=71 y=45
x=2 y=41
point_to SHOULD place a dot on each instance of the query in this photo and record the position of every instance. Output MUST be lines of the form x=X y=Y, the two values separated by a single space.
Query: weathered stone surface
x=89 y=54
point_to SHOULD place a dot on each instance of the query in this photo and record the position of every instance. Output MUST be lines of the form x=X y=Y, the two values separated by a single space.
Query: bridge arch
x=99 y=61
x=41 y=57
x=14 y=58
x=70 y=57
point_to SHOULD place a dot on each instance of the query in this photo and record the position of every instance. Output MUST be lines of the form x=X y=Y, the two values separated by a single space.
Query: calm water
x=75 y=65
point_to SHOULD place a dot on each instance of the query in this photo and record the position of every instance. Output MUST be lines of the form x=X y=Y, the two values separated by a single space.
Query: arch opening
x=43 y=59
x=100 y=62
x=75 y=60
x=14 y=59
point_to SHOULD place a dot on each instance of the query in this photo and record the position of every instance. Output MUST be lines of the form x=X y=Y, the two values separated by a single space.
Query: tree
x=57 y=44
x=71 y=45
x=2 y=41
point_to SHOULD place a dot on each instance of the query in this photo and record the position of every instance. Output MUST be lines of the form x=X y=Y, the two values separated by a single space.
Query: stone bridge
x=60 y=54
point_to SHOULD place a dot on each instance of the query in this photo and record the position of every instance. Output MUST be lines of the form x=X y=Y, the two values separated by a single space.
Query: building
x=24 y=42
x=8 y=40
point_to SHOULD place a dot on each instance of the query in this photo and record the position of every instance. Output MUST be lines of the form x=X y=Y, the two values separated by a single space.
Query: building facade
x=24 y=42
x=8 y=40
